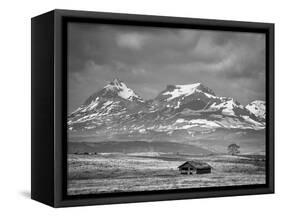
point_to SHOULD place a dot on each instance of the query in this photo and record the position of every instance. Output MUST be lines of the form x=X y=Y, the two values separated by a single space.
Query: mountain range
x=180 y=111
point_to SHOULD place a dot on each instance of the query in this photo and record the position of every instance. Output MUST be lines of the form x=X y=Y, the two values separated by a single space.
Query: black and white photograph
x=158 y=108
x=140 y=108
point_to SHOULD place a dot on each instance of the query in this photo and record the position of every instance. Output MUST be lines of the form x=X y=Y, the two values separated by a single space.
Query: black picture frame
x=49 y=107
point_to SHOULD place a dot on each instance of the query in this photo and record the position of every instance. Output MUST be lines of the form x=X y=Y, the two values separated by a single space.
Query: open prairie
x=127 y=172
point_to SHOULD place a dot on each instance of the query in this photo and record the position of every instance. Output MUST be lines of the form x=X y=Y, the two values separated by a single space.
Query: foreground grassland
x=115 y=172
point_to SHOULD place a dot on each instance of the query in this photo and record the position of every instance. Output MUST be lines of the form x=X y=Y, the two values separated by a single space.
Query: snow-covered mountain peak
x=174 y=91
x=257 y=107
x=118 y=110
x=116 y=84
x=122 y=90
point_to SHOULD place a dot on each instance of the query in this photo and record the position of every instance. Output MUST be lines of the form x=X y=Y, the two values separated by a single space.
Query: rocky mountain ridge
x=117 y=111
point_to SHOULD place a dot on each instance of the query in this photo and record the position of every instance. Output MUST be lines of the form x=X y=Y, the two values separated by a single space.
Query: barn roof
x=195 y=164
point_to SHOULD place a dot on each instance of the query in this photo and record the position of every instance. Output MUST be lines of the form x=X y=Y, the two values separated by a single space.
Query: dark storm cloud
x=147 y=59
x=110 y=45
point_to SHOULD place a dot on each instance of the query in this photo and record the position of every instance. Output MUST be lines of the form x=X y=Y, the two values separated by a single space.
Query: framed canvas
x=134 y=108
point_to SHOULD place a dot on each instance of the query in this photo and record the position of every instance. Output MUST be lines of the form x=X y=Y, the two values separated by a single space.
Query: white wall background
x=15 y=106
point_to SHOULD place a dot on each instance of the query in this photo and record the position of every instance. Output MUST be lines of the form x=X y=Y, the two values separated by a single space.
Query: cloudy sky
x=148 y=58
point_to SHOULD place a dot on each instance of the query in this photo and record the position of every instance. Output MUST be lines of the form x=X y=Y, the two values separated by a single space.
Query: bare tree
x=233 y=149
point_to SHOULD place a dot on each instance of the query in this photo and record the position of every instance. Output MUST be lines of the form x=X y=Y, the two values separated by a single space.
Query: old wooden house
x=194 y=167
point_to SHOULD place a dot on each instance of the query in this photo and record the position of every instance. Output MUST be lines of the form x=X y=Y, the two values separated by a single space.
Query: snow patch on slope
x=256 y=124
x=257 y=107
x=92 y=105
x=227 y=107
x=205 y=122
x=181 y=90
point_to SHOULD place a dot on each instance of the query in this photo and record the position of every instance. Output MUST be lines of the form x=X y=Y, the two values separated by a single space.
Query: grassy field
x=116 y=172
